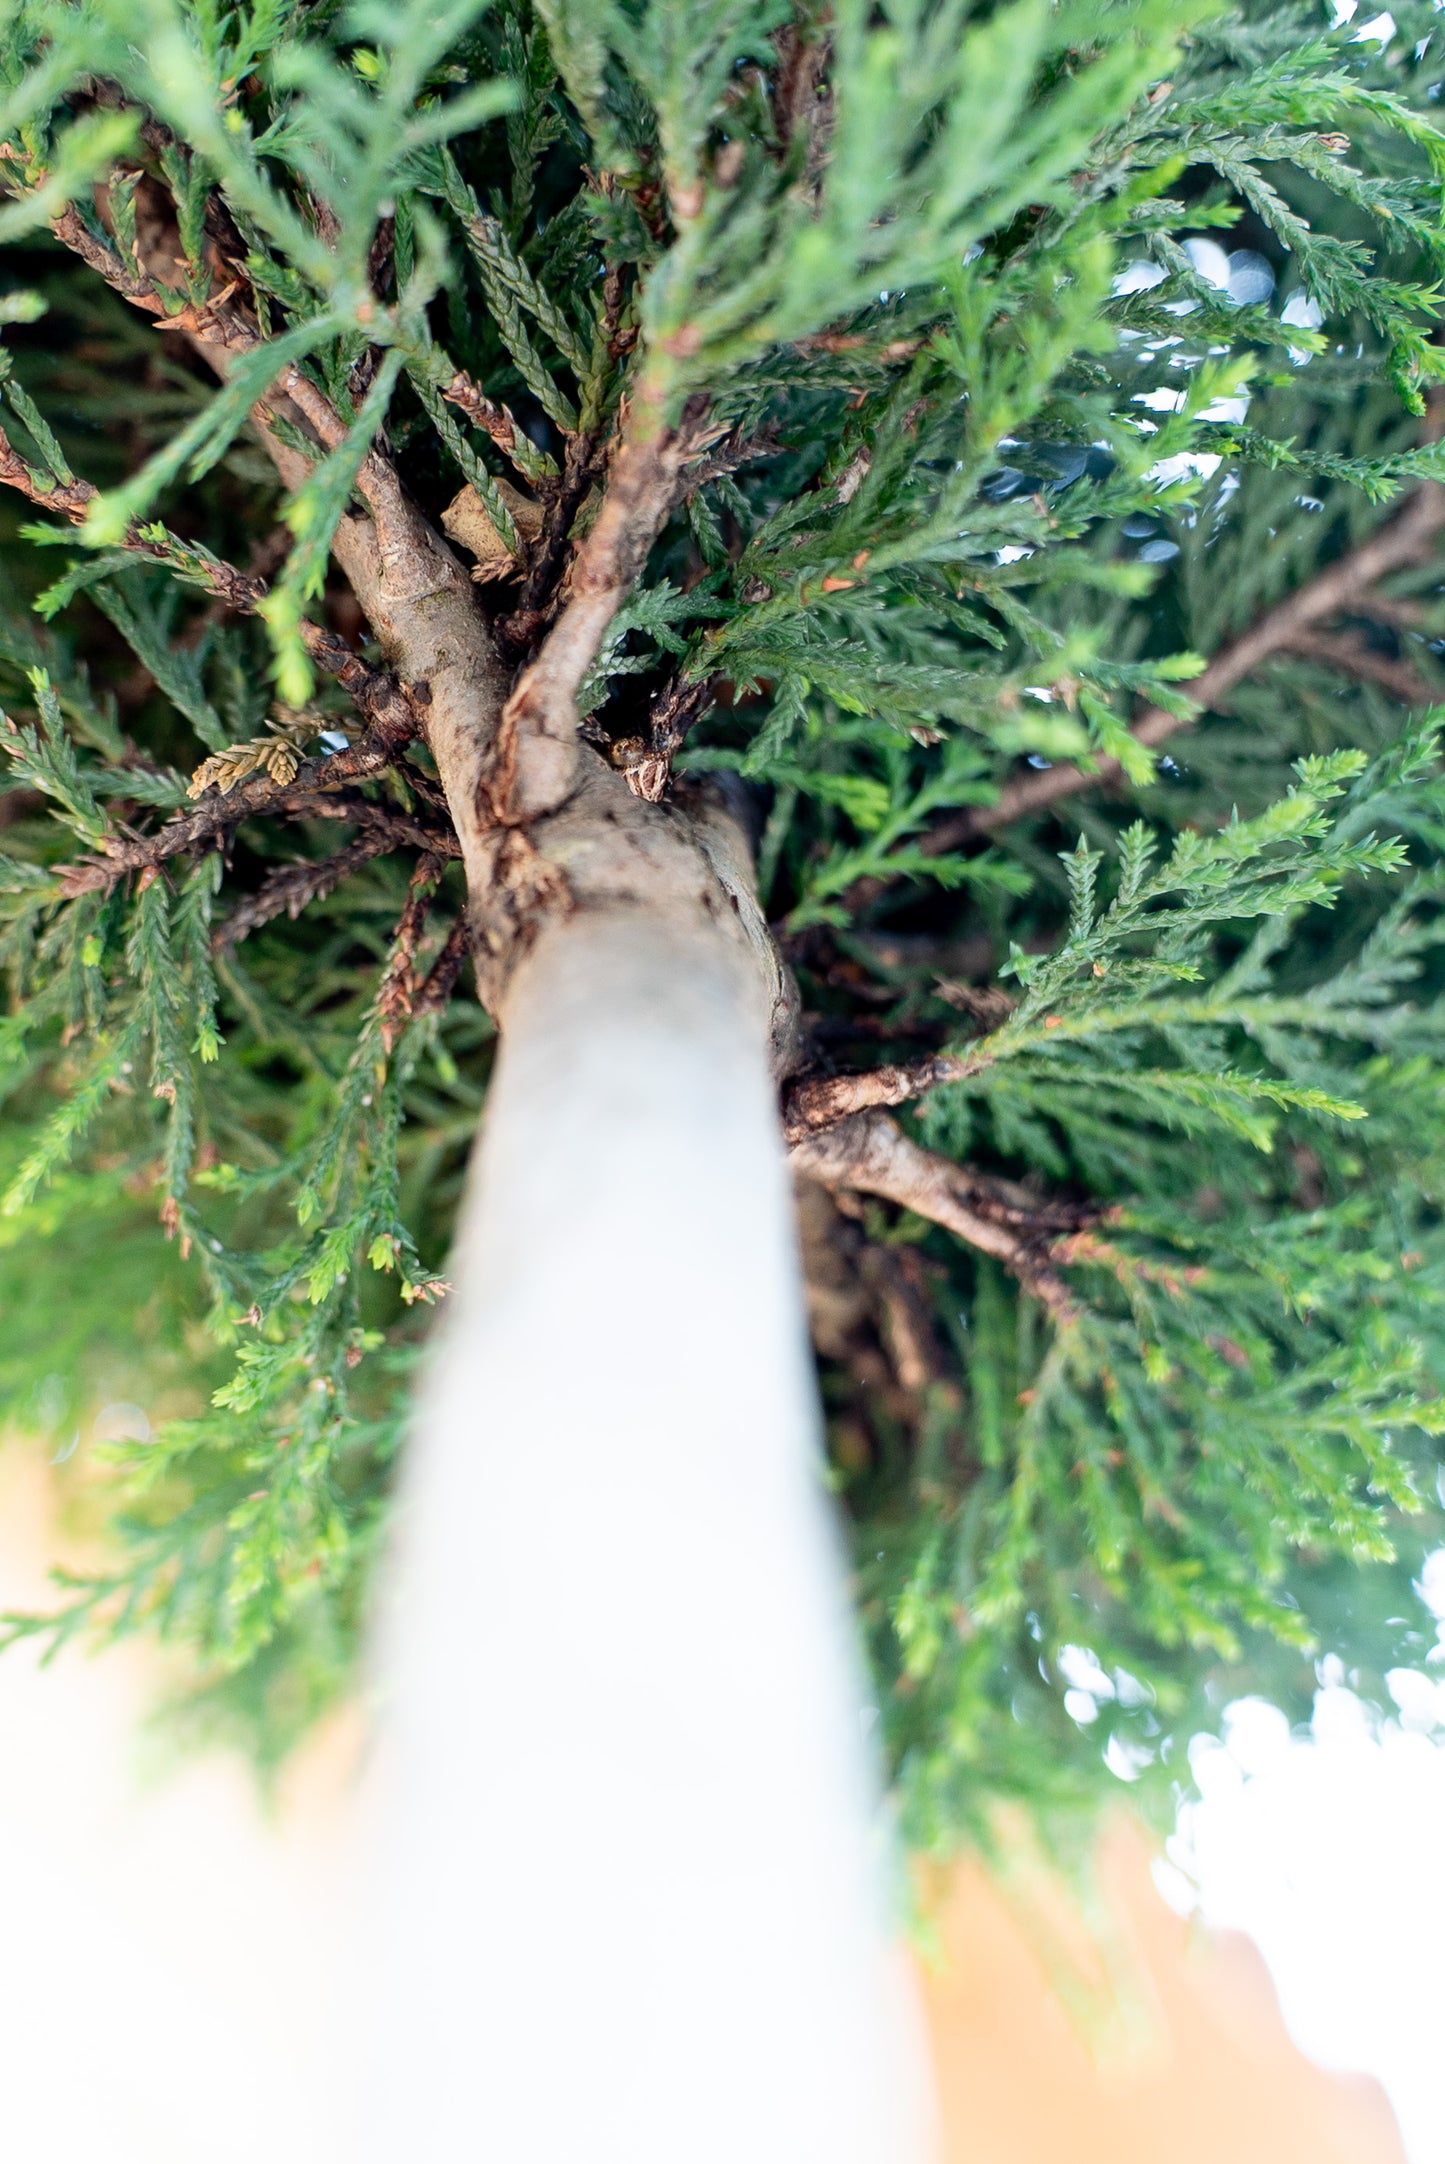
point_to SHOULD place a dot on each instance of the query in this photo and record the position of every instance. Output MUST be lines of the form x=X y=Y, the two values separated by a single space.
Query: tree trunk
x=626 y=1842
x=627 y=1868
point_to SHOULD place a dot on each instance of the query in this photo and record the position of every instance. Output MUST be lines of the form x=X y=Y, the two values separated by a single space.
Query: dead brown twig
x=646 y=761
x=445 y=970
x=395 y=999
x=248 y=800
x=290 y=889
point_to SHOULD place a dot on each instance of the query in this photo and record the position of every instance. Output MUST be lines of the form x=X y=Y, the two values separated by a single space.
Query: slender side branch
x=72 y=498
x=869 y=1154
x=414 y=594
x=445 y=970
x=1403 y=540
x=218 y=328
x=135 y=285
x=498 y=423
x=249 y=799
x=408 y=830
x=1340 y=650
x=387 y=703
x=295 y=885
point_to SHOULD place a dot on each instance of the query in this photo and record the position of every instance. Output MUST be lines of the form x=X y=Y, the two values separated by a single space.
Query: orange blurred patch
x=1125 y=2036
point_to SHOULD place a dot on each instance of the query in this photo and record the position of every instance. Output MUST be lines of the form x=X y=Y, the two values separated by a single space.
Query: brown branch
x=1339 y=650
x=377 y=481
x=905 y=1325
x=72 y=498
x=549 y=581
x=498 y=776
x=543 y=588
x=1345 y=584
x=444 y=971
x=391 y=708
x=496 y=421
x=800 y=108
x=395 y=1000
x=823 y=1100
x=250 y=799
x=235 y=589
x=216 y=327
x=537 y=738
x=418 y=600
x=387 y=704
x=71 y=229
x=408 y=830
x=869 y=1154
x=400 y=555
x=295 y=885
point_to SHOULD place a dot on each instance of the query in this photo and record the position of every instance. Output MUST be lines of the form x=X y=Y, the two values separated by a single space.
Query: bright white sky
x=1329 y=1850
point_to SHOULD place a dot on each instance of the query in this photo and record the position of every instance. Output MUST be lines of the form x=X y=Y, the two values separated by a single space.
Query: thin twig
x=294 y=886
x=219 y=328
x=444 y=971
x=1339 y=650
x=386 y=702
x=395 y=999
x=542 y=591
x=72 y=498
x=250 y=799
x=499 y=423
x=408 y=830
x=1345 y=584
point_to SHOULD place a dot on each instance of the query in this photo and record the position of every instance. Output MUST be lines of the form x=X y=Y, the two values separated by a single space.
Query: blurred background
x=175 y=1940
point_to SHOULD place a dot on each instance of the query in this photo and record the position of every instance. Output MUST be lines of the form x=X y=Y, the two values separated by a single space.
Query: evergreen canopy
x=1044 y=383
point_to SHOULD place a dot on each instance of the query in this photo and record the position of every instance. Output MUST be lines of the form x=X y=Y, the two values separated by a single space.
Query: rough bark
x=868 y=1153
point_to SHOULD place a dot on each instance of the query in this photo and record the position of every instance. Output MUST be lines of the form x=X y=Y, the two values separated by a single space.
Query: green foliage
x=1000 y=458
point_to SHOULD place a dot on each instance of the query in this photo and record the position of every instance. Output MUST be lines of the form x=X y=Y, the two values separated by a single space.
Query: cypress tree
x=927 y=513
